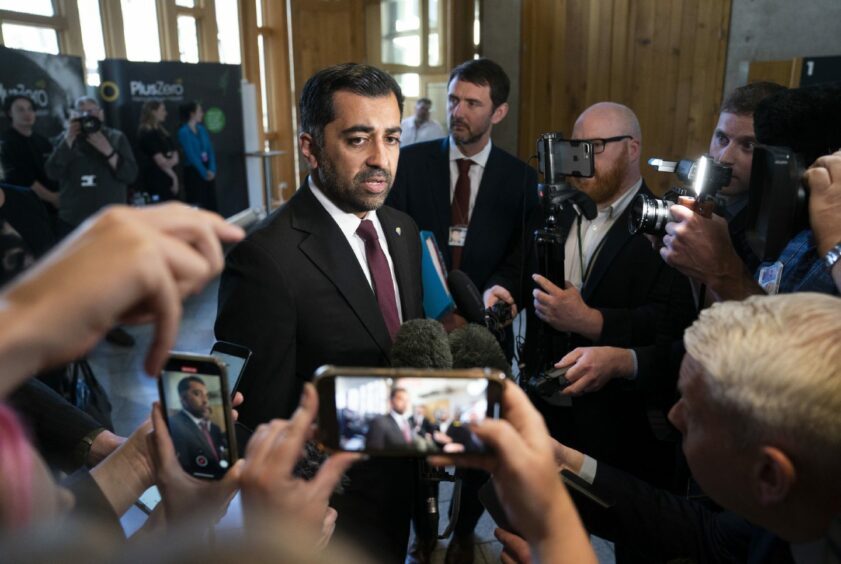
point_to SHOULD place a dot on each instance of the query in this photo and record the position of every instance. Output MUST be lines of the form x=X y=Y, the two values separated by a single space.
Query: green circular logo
x=214 y=120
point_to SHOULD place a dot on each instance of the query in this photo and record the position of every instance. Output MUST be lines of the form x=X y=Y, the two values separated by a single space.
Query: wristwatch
x=832 y=256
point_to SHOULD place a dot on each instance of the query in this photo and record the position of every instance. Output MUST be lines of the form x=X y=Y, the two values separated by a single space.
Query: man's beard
x=468 y=136
x=604 y=186
x=351 y=198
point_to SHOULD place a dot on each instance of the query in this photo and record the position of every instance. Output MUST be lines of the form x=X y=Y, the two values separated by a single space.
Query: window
x=92 y=40
x=140 y=24
x=227 y=22
x=30 y=37
x=35 y=7
x=188 y=39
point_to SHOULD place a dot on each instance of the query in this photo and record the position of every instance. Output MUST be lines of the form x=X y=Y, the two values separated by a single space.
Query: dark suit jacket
x=294 y=293
x=663 y=527
x=646 y=306
x=192 y=447
x=506 y=196
x=385 y=433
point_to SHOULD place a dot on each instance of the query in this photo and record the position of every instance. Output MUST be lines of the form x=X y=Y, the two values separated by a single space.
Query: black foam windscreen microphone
x=473 y=346
x=421 y=343
x=466 y=296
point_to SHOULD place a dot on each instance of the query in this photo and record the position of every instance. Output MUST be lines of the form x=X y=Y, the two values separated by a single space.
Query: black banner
x=126 y=85
x=52 y=81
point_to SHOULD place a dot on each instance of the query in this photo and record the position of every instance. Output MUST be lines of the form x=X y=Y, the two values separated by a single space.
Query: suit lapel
x=328 y=249
x=616 y=238
x=439 y=185
x=482 y=218
x=194 y=430
x=396 y=236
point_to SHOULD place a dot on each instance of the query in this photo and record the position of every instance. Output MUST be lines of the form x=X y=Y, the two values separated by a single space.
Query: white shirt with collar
x=348 y=224
x=414 y=133
x=480 y=160
x=592 y=234
x=197 y=420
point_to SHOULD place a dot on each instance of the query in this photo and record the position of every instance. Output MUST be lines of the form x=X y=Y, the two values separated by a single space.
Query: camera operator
x=93 y=165
x=807 y=120
x=824 y=181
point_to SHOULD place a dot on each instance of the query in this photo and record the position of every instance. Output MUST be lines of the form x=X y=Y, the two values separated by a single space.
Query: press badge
x=458 y=235
x=769 y=278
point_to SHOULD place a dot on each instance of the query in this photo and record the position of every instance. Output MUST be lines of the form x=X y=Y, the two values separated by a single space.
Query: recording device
x=197 y=407
x=778 y=202
x=561 y=158
x=702 y=179
x=234 y=357
x=474 y=346
x=88 y=122
x=367 y=409
x=468 y=300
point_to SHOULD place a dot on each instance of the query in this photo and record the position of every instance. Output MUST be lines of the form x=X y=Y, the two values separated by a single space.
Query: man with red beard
x=617 y=295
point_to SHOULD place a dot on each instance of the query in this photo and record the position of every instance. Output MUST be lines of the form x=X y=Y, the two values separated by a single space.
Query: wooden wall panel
x=665 y=60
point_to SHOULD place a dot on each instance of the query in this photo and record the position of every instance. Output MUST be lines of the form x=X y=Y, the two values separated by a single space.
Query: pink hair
x=15 y=471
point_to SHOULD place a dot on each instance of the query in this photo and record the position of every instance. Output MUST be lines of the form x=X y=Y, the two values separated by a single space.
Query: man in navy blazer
x=328 y=278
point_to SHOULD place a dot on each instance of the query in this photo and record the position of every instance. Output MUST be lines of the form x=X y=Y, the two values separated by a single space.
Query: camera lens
x=649 y=215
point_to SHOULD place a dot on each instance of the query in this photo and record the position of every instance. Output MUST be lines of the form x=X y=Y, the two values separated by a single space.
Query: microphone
x=474 y=346
x=466 y=296
x=421 y=343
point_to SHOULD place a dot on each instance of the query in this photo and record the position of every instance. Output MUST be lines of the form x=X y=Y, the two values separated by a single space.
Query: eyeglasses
x=599 y=144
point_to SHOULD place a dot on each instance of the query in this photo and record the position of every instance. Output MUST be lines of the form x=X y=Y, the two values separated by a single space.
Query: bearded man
x=329 y=278
x=617 y=295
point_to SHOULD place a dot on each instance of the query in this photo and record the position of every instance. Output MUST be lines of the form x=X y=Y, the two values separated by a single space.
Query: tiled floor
x=132 y=392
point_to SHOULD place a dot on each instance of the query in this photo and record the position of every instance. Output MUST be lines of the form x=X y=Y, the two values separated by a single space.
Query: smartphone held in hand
x=197 y=406
x=405 y=412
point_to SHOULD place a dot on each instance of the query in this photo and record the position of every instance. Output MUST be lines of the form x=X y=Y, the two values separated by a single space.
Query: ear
x=499 y=113
x=774 y=475
x=635 y=150
x=308 y=149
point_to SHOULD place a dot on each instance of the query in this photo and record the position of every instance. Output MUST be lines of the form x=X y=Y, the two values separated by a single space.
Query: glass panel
x=186 y=3
x=188 y=39
x=409 y=84
x=402 y=50
x=477 y=24
x=433 y=12
x=227 y=21
x=92 y=41
x=140 y=22
x=434 y=50
x=39 y=7
x=264 y=89
x=31 y=38
x=259 y=4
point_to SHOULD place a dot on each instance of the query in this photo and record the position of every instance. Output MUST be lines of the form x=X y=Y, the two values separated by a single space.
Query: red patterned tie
x=380 y=275
x=206 y=431
x=461 y=206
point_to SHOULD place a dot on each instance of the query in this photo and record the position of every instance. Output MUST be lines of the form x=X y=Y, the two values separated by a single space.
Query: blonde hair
x=147 y=117
x=774 y=364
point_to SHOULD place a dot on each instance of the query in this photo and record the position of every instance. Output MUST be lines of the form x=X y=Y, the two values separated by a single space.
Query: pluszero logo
x=160 y=90
x=38 y=95
x=109 y=91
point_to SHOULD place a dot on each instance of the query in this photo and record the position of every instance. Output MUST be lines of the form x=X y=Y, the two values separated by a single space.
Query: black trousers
x=199 y=191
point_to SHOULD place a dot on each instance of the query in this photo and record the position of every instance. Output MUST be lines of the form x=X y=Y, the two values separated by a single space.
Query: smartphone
x=558 y=157
x=405 y=412
x=197 y=406
x=234 y=357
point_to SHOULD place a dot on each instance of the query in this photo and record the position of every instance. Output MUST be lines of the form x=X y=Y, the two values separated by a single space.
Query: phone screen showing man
x=422 y=415
x=194 y=405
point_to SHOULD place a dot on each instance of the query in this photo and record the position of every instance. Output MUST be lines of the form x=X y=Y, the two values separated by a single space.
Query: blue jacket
x=194 y=144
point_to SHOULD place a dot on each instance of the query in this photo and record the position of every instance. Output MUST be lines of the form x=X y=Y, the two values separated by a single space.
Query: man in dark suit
x=328 y=279
x=392 y=430
x=617 y=294
x=474 y=197
x=471 y=194
x=199 y=443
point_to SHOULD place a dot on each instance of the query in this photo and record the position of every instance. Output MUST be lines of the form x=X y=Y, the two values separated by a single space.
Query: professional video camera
x=778 y=202
x=703 y=177
x=88 y=122
x=558 y=158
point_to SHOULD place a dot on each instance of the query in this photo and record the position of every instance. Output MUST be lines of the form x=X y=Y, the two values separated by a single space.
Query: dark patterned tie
x=205 y=428
x=380 y=275
x=461 y=206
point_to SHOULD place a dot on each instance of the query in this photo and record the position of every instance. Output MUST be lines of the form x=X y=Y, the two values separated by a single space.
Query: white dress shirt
x=427 y=131
x=480 y=160
x=348 y=224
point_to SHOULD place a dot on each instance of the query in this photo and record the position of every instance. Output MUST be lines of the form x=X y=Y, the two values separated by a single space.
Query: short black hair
x=184 y=383
x=426 y=101
x=395 y=391
x=7 y=103
x=316 y=104
x=745 y=99
x=187 y=109
x=484 y=72
x=806 y=120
